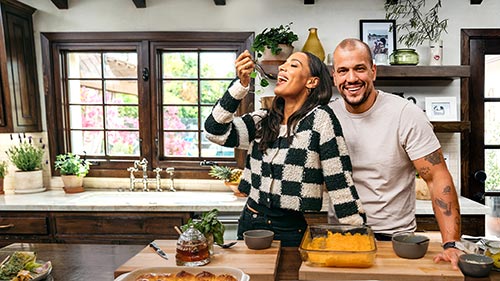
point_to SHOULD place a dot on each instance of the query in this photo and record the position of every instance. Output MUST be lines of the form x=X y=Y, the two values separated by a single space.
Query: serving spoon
x=227 y=245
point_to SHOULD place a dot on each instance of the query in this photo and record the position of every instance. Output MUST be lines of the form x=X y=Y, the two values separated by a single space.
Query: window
x=121 y=97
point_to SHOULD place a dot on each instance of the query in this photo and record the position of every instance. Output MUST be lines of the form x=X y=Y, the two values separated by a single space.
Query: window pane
x=210 y=149
x=180 y=65
x=122 y=143
x=211 y=91
x=205 y=111
x=120 y=65
x=217 y=64
x=122 y=117
x=88 y=117
x=88 y=91
x=492 y=168
x=84 y=65
x=180 y=92
x=90 y=142
x=492 y=123
x=180 y=118
x=121 y=92
x=181 y=144
x=491 y=74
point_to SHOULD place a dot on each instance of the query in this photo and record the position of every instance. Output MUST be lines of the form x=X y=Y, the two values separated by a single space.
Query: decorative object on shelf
x=275 y=41
x=313 y=45
x=3 y=172
x=230 y=176
x=404 y=57
x=380 y=35
x=210 y=226
x=441 y=108
x=27 y=156
x=417 y=25
x=436 y=56
x=73 y=169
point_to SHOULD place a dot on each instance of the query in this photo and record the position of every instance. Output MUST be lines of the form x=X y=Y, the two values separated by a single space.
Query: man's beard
x=363 y=99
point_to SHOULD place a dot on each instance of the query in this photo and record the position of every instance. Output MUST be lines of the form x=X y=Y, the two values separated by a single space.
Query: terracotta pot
x=72 y=183
x=1 y=186
x=28 y=181
x=234 y=188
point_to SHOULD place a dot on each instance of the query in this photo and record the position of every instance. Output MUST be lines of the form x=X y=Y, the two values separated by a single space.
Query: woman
x=294 y=149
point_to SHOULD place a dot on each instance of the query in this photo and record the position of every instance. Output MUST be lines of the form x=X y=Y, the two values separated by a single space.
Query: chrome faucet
x=143 y=165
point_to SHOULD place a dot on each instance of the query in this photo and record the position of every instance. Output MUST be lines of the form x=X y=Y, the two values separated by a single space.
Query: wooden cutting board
x=388 y=266
x=260 y=265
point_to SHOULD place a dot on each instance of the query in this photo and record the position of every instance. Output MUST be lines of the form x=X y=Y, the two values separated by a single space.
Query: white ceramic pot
x=436 y=52
x=72 y=183
x=28 y=181
x=286 y=51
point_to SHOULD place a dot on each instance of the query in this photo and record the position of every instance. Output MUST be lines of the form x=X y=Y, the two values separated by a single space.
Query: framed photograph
x=441 y=108
x=380 y=35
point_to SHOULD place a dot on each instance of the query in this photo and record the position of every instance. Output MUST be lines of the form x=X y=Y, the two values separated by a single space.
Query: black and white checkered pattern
x=290 y=175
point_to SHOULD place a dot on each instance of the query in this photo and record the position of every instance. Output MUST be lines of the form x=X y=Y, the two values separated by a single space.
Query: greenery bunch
x=419 y=25
x=272 y=37
x=208 y=224
x=71 y=164
x=3 y=169
x=26 y=156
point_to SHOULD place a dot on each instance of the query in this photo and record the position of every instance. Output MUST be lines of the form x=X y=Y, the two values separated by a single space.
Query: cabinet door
x=21 y=93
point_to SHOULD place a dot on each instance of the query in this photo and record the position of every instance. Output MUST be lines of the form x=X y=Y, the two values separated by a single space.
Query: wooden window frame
x=147 y=44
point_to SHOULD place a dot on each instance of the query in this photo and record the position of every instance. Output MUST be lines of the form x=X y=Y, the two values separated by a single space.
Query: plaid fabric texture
x=290 y=175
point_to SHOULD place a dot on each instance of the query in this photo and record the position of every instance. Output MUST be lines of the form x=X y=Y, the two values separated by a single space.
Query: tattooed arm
x=432 y=168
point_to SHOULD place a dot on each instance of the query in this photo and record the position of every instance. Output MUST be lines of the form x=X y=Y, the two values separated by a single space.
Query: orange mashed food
x=341 y=250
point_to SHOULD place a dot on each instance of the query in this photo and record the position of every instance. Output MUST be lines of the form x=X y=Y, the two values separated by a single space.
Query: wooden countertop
x=260 y=265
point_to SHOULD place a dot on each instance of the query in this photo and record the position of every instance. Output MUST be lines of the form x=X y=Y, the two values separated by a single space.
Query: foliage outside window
x=492 y=123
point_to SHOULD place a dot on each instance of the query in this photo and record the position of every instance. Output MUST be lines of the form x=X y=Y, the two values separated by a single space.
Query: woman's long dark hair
x=321 y=95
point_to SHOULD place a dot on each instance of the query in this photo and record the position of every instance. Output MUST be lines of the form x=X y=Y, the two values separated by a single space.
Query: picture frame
x=441 y=108
x=380 y=35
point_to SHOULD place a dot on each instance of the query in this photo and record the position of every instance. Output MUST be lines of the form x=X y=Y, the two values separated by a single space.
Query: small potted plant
x=27 y=156
x=3 y=172
x=73 y=169
x=276 y=41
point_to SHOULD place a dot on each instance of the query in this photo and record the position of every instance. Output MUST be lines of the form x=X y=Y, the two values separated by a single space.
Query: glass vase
x=313 y=45
x=404 y=57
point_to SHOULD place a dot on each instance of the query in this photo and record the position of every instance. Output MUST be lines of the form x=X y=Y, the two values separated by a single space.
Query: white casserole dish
x=237 y=273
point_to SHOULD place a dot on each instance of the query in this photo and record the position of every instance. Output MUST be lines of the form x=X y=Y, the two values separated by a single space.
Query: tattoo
x=445 y=206
x=433 y=158
x=447 y=189
x=424 y=171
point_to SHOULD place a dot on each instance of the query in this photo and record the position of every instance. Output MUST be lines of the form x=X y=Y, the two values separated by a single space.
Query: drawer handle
x=6 y=226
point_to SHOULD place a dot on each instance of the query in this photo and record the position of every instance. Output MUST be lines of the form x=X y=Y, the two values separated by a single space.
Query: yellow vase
x=313 y=45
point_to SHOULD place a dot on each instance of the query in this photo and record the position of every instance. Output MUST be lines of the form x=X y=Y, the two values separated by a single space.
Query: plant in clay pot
x=73 y=169
x=27 y=156
x=3 y=172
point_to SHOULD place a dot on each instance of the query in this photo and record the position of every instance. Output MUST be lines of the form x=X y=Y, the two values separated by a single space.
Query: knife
x=158 y=250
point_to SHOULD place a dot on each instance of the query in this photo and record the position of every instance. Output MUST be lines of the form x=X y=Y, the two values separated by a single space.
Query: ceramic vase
x=28 y=181
x=72 y=183
x=436 y=52
x=313 y=45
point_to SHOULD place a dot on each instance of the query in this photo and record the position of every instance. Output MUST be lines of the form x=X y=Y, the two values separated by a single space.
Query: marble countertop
x=181 y=201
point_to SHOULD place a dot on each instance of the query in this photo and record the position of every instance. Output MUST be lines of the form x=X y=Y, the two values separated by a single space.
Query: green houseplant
x=272 y=38
x=3 y=172
x=210 y=226
x=27 y=156
x=73 y=169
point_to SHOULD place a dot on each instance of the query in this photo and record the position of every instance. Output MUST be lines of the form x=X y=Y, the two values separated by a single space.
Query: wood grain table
x=260 y=265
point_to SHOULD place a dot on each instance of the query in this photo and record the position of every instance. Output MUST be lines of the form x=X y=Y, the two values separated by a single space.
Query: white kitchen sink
x=185 y=198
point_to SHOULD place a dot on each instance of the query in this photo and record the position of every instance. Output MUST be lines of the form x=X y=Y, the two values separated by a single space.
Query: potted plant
x=28 y=159
x=275 y=41
x=73 y=169
x=3 y=172
x=210 y=226
x=419 y=25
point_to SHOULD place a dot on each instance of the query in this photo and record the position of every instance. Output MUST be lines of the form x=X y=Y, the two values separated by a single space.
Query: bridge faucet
x=143 y=165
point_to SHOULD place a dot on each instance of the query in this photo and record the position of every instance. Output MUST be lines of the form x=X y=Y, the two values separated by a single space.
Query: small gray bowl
x=258 y=239
x=409 y=245
x=475 y=265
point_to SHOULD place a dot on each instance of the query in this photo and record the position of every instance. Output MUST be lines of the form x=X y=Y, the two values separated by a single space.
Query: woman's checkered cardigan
x=290 y=175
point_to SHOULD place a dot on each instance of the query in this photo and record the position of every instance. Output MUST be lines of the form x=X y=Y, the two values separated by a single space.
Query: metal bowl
x=475 y=265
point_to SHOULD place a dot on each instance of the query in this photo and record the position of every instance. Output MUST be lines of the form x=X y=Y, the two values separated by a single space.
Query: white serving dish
x=237 y=273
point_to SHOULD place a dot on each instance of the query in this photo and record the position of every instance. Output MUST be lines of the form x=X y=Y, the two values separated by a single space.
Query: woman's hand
x=244 y=66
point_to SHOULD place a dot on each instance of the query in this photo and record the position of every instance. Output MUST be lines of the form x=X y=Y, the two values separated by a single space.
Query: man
x=388 y=138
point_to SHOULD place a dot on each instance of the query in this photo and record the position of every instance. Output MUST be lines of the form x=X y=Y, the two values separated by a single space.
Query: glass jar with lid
x=404 y=57
x=192 y=248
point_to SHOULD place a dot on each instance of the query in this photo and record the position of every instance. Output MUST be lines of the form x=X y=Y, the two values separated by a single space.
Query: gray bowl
x=409 y=245
x=475 y=265
x=258 y=239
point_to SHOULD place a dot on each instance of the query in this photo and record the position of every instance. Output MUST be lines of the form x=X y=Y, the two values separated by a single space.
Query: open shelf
x=451 y=126
x=445 y=72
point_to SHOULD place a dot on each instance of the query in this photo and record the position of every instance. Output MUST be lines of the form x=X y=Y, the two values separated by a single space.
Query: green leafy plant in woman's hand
x=208 y=224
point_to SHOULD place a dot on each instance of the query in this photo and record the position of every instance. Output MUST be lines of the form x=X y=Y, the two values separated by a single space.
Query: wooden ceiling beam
x=220 y=2
x=308 y=2
x=139 y=3
x=60 y=4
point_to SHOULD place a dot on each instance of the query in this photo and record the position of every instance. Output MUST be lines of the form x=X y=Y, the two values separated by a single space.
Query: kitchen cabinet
x=90 y=227
x=19 y=92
